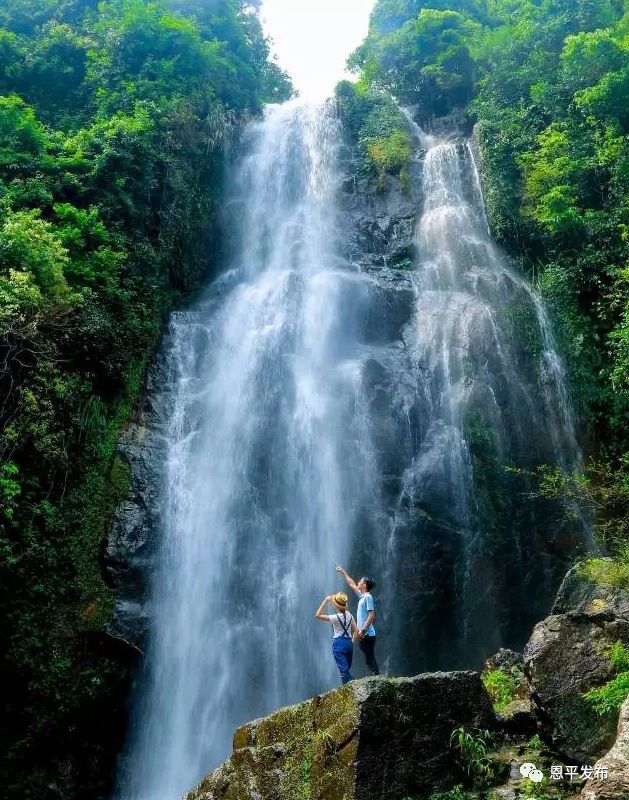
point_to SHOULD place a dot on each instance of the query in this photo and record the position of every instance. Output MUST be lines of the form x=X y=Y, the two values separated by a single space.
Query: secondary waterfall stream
x=298 y=437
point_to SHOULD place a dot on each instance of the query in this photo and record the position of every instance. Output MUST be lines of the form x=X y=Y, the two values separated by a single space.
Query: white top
x=340 y=619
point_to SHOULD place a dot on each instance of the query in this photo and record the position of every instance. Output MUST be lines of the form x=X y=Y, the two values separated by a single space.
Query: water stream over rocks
x=366 y=383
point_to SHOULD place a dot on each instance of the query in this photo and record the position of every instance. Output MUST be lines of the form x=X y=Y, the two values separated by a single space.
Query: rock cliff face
x=375 y=739
x=450 y=514
x=130 y=552
x=379 y=234
x=453 y=378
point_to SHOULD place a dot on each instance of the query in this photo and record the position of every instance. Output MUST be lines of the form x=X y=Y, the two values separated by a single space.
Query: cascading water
x=319 y=414
x=491 y=405
x=269 y=465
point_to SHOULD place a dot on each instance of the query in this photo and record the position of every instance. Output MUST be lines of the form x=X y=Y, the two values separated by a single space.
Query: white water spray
x=268 y=463
x=298 y=436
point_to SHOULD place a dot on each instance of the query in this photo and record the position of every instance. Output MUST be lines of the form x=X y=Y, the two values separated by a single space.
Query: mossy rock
x=569 y=653
x=595 y=586
x=373 y=739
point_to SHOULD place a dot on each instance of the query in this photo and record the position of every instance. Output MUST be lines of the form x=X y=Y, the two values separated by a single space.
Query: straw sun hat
x=340 y=598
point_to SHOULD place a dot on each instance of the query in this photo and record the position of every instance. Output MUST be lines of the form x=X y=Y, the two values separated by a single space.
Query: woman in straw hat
x=343 y=630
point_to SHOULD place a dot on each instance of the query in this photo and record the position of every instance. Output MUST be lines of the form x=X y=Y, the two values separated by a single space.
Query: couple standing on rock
x=345 y=630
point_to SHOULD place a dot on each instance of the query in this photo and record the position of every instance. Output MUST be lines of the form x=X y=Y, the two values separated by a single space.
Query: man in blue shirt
x=365 y=617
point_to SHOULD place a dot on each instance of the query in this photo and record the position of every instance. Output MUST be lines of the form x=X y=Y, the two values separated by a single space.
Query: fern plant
x=609 y=698
x=471 y=753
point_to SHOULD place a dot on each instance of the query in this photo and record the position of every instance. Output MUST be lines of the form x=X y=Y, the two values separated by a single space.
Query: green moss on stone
x=491 y=481
x=298 y=753
x=501 y=687
x=606 y=572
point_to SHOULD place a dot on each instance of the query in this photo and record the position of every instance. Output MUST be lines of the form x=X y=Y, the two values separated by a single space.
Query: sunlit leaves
x=20 y=131
x=552 y=174
x=30 y=244
x=425 y=61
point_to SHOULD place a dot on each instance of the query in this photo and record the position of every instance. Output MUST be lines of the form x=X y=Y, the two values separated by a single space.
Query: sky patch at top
x=312 y=39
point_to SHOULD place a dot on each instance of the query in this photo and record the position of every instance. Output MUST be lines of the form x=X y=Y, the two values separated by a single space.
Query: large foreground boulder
x=374 y=739
x=611 y=773
x=569 y=653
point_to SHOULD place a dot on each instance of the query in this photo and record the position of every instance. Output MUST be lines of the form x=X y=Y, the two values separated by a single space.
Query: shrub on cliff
x=378 y=130
x=609 y=698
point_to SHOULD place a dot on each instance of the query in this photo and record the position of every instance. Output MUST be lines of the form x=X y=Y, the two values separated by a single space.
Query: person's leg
x=349 y=655
x=342 y=656
x=368 y=646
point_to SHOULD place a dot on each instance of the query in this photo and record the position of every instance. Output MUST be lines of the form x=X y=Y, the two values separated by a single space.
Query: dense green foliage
x=548 y=83
x=379 y=131
x=600 y=492
x=112 y=122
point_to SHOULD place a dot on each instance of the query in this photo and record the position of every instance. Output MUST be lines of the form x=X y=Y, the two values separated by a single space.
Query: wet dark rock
x=404 y=739
x=505 y=659
x=518 y=718
x=380 y=223
x=589 y=597
x=131 y=547
x=375 y=739
x=569 y=654
x=391 y=306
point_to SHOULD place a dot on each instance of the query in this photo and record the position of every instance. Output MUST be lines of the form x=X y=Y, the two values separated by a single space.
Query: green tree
x=113 y=117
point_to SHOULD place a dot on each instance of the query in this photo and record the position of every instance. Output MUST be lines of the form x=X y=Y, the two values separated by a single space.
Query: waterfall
x=319 y=414
x=491 y=406
x=269 y=464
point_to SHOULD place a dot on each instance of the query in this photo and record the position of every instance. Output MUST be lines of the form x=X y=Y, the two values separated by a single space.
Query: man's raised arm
x=350 y=581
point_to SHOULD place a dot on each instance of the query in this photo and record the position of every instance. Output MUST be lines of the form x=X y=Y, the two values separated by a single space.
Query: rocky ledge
x=129 y=556
x=373 y=739
x=614 y=765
